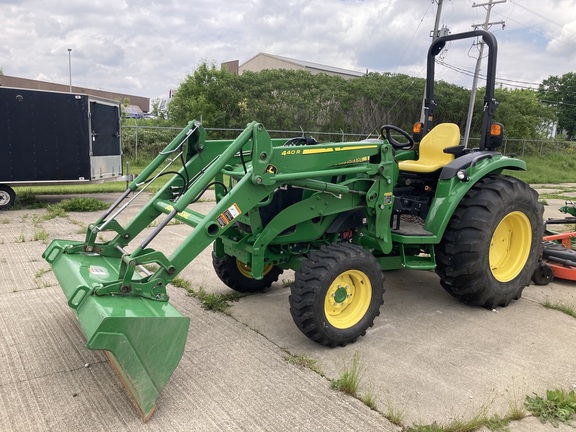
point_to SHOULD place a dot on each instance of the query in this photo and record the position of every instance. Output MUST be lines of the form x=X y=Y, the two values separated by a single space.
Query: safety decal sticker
x=229 y=215
x=98 y=271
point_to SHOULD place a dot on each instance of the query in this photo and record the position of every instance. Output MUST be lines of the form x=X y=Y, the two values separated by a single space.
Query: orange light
x=496 y=129
x=417 y=127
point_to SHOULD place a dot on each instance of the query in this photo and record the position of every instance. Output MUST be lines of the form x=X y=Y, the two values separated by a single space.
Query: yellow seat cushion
x=432 y=156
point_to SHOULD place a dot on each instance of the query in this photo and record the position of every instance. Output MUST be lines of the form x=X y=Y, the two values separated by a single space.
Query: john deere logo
x=271 y=169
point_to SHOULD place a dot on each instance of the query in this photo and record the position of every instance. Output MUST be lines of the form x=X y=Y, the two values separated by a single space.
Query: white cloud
x=148 y=47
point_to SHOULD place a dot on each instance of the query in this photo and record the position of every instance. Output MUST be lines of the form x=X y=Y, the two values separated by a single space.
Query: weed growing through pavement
x=395 y=414
x=476 y=422
x=5 y=221
x=28 y=199
x=213 y=302
x=41 y=235
x=179 y=282
x=82 y=204
x=369 y=399
x=54 y=211
x=559 y=306
x=559 y=406
x=303 y=361
x=350 y=377
x=42 y=272
x=217 y=302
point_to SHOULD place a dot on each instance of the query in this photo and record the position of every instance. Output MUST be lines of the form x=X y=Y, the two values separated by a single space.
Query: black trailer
x=57 y=138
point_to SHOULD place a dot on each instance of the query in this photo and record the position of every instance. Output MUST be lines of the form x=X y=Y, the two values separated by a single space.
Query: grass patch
x=217 y=302
x=394 y=414
x=557 y=407
x=478 y=421
x=74 y=205
x=177 y=281
x=41 y=235
x=82 y=204
x=350 y=377
x=42 y=272
x=547 y=168
x=559 y=306
x=212 y=302
x=28 y=199
x=303 y=361
x=54 y=211
x=369 y=399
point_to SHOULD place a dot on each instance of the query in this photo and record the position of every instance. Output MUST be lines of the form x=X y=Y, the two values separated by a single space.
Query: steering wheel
x=385 y=132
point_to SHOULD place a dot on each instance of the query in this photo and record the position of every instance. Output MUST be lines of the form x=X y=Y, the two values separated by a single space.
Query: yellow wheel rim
x=510 y=246
x=246 y=270
x=347 y=299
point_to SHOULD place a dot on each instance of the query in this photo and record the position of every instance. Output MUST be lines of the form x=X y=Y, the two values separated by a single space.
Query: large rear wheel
x=492 y=243
x=337 y=294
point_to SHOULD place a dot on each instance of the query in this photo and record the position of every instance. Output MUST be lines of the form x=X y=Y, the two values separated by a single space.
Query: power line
x=510 y=82
x=563 y=27
x=551 y=38
x=414 y=34
x=487 y=24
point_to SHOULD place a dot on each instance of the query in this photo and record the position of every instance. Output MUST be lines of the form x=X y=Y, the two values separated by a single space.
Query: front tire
x=237 y=275
x=492 y=244
x=337 y=294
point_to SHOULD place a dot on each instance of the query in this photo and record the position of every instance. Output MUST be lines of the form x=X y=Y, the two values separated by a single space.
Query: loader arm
x=123 y=307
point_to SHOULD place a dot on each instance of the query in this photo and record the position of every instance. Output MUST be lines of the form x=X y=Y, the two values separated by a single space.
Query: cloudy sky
x=145 y=47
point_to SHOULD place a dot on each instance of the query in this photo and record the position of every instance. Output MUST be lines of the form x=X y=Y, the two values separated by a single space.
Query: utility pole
x=487 y=24
x=435 y=34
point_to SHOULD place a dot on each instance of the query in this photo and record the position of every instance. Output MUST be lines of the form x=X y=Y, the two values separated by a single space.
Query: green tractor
x=338 y=214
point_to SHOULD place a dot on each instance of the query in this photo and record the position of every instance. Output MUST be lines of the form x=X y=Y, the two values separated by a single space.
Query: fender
x=451 y=189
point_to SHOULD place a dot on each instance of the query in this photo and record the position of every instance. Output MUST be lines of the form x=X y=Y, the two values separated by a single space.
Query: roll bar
x=490 y=102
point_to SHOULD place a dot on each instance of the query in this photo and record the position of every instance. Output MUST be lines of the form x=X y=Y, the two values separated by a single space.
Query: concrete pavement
x=428 y=356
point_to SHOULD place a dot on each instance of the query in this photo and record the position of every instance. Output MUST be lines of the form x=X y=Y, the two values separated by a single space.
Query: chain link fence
x=142 y=143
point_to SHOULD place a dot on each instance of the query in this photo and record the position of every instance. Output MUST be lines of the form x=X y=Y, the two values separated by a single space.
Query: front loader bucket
x=144 y=339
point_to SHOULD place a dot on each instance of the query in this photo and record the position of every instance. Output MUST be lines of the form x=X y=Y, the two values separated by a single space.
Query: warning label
x=98 y=271
x=229 y=215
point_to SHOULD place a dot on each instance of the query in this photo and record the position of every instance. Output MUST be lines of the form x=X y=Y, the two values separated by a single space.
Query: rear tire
x=337 y=294
x=492 y=243
x=7 y=197
x=237 y=275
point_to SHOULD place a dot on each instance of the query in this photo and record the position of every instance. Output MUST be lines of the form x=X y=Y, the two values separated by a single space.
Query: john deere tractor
x=338 y=214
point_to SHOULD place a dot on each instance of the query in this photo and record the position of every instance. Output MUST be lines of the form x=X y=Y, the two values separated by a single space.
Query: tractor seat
x=431 y=151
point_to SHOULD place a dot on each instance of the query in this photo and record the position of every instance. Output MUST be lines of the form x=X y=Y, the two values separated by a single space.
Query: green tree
x=560 y=92
x=208 y=93
x=299 y=100
x=522 y=114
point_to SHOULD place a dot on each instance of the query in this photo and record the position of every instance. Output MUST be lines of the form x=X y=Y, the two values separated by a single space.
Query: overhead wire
x=562 y=27
x=399 y=62
x=547 y=36
x=508 y=81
